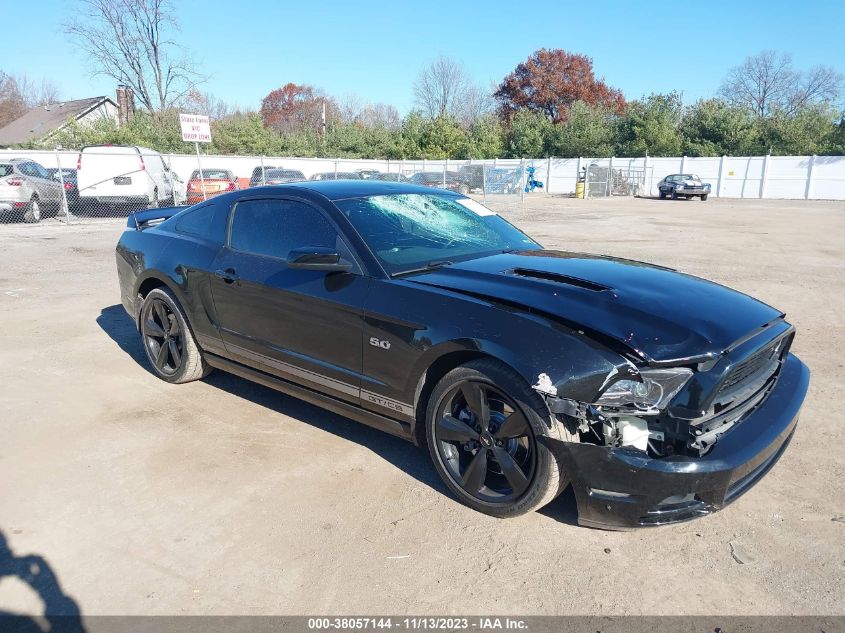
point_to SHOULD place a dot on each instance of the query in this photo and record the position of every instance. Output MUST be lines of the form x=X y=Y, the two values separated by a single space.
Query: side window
x=275 y=227
x=26 y=169
x=199 y=222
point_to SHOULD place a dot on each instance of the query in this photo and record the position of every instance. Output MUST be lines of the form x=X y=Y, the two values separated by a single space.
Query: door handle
x=227 y=275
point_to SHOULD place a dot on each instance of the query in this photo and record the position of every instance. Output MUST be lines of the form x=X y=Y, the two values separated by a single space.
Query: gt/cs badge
x=379 y=343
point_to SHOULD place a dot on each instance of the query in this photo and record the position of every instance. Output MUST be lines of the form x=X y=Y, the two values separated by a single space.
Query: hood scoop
x=557 y=278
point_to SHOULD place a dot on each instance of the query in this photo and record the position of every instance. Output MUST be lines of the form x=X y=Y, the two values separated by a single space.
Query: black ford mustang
x=657 y=395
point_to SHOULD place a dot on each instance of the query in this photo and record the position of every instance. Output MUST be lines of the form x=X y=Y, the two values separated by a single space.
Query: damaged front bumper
x=623 y=488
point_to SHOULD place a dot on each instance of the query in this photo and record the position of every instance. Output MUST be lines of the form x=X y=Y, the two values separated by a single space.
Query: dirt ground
x=224 y=497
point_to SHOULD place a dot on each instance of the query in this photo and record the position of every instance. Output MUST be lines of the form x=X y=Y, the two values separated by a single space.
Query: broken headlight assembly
x=647 y=396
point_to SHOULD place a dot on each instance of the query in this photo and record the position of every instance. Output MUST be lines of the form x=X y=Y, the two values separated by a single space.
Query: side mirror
x=322 y=258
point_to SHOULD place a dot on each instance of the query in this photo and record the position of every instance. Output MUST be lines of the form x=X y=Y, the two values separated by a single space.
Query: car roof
x=341 y=189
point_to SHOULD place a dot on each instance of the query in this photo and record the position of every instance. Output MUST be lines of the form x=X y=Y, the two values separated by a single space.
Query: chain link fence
x=110 y=182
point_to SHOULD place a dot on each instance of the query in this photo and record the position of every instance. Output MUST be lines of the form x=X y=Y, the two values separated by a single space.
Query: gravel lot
x=224 y=497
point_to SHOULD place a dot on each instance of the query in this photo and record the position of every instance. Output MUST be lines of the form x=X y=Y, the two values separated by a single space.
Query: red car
x=214 y=181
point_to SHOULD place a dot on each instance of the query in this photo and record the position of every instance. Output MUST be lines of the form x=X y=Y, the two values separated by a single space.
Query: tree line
x=551 y=104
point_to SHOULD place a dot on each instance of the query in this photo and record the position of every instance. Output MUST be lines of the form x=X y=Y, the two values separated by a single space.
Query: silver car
x=683 y=186
x=27 y=191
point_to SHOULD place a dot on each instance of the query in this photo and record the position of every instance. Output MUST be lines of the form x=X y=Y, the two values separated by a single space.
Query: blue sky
x=375 y=49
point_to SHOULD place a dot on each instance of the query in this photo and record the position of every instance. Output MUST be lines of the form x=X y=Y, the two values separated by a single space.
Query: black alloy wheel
x=163 y=337
x=485 y=443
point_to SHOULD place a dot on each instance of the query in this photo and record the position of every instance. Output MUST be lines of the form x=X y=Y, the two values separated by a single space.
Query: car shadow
x=667 y=199
x=413 y=460
x=60 y=610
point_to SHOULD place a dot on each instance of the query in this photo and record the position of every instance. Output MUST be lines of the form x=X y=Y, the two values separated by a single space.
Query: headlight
x=657 y=388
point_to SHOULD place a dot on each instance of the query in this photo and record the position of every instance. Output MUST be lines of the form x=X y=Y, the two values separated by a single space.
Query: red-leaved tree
x=294 y=108
x=550 y=81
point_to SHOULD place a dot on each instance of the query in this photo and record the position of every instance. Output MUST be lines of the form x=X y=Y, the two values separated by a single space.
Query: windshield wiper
x=423 y=269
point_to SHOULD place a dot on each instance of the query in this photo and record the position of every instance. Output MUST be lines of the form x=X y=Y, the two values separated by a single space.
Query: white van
x=120 y=175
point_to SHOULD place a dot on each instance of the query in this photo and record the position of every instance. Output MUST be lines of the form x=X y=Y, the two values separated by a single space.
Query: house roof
x=44 y=120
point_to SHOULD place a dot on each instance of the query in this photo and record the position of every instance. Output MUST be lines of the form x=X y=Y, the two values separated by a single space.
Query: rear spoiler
x=140 y=220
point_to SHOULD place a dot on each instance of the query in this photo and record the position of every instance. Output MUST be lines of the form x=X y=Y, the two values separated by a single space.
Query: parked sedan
x=212 y=183
x=657 y=395
x=280 y=176
x=71 y=185
x=27 y=191
x=391 y=177
x=258 y=175
x=683 y=186
x=337 y=175
x=451 y=180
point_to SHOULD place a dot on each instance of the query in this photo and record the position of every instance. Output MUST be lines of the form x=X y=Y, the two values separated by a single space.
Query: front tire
x=168 y=341
x=484 y=428
x=704 y=197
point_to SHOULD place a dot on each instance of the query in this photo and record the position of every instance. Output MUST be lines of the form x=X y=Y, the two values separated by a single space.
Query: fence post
x=484 y=180
x=263 y=175
x=683 y=161
x=170 y=179
x=645 y=175
x=610 y=179
x=65 y=205
x=548 y=174
x=719 y=181
x=765 y=176
x=445 y=165
x=522 y=179
x=809 y=190
x=335 y=169
x=578 y=175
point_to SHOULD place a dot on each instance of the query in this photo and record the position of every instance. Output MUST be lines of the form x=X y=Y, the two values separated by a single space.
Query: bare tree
x=131 y=41
x=19 y=93
x=441 y=87
x=353 y=109
x=767 y=82
x=198 y=102
x=11 y=100
x=475 y=103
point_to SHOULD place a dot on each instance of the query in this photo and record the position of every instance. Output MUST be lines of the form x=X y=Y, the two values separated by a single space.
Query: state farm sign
x=195 y=128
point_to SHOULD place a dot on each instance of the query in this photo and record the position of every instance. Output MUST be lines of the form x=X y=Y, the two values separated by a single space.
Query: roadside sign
x=195 y=128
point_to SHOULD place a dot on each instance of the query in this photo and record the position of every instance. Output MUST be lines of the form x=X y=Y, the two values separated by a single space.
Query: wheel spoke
x=151 y=328
x=476 y=472
x=452 y=429
x=513 y=473
x=175 y=356
x=173 y=330
x=162 y=315
x=161 y=356
x=476 y=397
x=515 y=425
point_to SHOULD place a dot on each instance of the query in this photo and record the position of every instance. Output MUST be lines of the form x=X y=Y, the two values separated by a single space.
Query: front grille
x=748 y=368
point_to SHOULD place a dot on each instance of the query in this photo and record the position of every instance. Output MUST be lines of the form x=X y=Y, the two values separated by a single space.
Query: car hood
x=658 y=313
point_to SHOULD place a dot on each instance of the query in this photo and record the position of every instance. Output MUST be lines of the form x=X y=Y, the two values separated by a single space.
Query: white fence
x=786 y=177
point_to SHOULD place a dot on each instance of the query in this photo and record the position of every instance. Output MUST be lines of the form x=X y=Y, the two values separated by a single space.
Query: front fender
x=576 y=365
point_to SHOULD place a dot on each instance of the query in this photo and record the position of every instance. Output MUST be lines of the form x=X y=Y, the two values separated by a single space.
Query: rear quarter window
x=207 y=221
x=5 y=170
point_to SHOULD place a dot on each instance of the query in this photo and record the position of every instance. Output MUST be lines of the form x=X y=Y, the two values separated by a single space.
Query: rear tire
x=168 y=340
x=505 y=469
x=32 y=211
x=662 y=195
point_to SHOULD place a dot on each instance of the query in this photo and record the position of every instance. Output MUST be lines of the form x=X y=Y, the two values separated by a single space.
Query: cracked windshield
x=412 y=232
